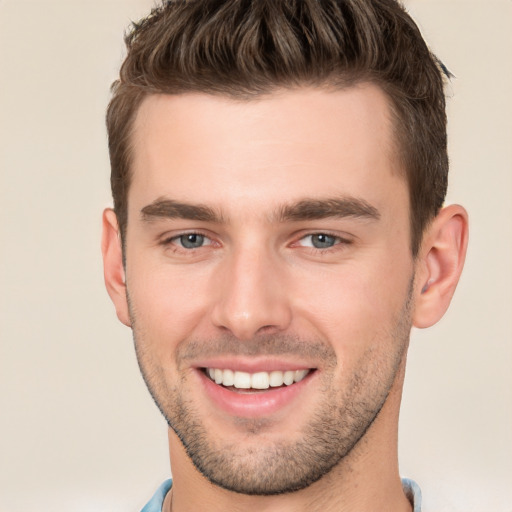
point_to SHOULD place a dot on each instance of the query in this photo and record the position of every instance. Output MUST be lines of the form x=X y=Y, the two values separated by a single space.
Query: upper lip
x=253 y=364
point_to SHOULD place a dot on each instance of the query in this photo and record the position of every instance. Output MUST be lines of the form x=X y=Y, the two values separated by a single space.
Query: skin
x=257 y=292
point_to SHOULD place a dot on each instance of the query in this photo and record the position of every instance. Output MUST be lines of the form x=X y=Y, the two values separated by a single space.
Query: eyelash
x=171 y=241
x=339 y=242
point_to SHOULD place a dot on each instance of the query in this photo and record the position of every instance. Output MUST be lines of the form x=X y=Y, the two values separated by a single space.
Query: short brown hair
x=247 y=48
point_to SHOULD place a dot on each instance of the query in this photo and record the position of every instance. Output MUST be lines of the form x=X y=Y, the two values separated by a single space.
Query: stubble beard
x=336 y=426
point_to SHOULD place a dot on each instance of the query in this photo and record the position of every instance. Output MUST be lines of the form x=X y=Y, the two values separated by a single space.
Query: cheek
x=167 y=304
x=357 y=308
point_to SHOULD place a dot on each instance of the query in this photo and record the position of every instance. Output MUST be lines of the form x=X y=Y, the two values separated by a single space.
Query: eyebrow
x=171 y=209
x=305 y=209
x=314 y=209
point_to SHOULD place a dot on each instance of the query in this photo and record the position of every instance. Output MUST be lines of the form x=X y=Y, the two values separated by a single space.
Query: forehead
x=286 y=145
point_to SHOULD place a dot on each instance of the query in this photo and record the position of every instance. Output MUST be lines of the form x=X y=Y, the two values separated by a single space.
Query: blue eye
x=323 y=241
x=191 y=240
x=319 y=241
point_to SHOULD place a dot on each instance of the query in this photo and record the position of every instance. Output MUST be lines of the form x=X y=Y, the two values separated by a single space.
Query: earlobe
x=440 y=264
x=113 y=268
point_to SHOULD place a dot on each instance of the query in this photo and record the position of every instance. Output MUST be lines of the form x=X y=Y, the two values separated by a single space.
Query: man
x=278 y=173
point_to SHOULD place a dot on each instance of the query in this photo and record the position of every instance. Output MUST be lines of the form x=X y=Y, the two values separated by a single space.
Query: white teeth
x=276 y=379
x=228 y=378
x=300 y=374
x=242 y=380
x=259 y=380
x=288 y=377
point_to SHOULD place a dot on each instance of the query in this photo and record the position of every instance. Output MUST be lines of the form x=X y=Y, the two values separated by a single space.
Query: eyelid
x=340 y=239
x=168 y=239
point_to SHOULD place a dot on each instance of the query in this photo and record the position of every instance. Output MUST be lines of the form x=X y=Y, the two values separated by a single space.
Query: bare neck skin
x=365 y=481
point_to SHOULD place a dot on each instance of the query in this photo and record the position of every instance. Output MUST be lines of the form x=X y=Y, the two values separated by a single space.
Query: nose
x=251 y=295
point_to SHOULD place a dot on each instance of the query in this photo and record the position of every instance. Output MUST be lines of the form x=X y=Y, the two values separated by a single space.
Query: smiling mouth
x=255 y=381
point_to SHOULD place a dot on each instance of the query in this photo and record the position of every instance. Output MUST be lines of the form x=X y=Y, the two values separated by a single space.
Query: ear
x=113 y=269
x=439 y=265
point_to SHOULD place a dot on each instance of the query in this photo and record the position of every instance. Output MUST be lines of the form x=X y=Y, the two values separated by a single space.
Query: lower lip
x=256 y=404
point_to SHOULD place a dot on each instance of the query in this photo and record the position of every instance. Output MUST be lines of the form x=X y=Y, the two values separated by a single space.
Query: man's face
x=268 y=249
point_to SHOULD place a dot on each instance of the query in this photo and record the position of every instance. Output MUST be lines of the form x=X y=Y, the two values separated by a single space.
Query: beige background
x=78 y=430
